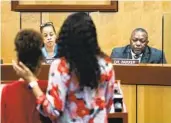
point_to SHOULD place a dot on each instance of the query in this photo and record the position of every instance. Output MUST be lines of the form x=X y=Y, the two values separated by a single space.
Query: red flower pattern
x=110 y=103
x=100 y=103
x=81 y=109
x=72 y=97
x=62 y=68
x=103 y=78
x=106 y=77
x=54 y=92
x=91 y=120
x=109 y=76
x=108 y=59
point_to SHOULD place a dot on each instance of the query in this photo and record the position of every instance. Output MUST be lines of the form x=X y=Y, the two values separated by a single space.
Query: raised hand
x=23 y=71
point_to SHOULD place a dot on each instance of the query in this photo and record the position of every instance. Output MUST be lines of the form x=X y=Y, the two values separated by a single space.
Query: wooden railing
x=8 y=75
x=145 y=74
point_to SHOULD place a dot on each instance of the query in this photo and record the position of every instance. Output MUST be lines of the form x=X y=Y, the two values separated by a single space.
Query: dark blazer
x=150 y=55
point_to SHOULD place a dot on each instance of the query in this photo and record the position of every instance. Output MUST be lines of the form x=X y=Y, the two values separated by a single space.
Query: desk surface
x=120 y=115
x=140 y=74
x=144 y=74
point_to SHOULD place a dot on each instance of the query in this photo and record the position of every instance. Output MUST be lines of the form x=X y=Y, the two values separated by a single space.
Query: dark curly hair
x=28 y=45
x=77 y=42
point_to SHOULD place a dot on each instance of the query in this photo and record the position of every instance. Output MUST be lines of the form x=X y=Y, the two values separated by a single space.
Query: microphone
x=117 y=99
x=136 y=56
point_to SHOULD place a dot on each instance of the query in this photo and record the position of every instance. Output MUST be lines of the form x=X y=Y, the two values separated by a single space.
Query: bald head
x=139 y=30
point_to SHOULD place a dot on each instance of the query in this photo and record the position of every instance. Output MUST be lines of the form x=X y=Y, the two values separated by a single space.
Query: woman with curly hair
x=81 y=79
x=17 y=100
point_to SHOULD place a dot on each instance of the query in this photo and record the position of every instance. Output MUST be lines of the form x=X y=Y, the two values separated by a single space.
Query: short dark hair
x=47 y=24
x=141 y=30
x=28 y=43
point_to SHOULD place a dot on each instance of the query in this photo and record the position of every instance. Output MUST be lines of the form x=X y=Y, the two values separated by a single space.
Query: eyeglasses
x=46 y=24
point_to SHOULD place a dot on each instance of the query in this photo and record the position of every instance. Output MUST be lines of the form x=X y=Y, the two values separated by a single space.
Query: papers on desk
x=125 y=61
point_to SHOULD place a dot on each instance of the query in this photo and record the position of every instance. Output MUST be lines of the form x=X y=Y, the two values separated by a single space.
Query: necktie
x=136 y=56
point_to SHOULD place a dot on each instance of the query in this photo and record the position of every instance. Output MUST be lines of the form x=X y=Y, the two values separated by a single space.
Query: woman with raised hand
x=17 y=101
x=81 y=79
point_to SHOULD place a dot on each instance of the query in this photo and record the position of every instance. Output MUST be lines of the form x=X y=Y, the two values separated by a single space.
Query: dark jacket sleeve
x=163 y=59
x=112 y=54
x=116 y=53
x=157 y=56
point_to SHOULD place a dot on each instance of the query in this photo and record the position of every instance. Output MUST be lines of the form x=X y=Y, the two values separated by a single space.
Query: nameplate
x=49 y=61
x=125 y=61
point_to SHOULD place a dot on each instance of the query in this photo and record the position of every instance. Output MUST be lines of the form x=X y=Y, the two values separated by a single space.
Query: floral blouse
x=65 y=102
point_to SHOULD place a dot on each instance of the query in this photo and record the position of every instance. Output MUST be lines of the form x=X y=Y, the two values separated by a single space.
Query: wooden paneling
x=64 y=2
x=167 y=36
x=129 y=92
x=118 y=117
x=143 y=74
x=30 y=20
x=10 y=25
x=153 y=101
x=113 y=29
x=74 y=5
x=154 y=104
x=8 y=73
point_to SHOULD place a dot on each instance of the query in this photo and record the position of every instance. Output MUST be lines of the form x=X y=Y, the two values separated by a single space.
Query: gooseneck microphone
x=136 y=56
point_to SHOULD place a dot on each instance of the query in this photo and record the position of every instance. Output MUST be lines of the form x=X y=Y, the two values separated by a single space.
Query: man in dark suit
x=139 y=49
